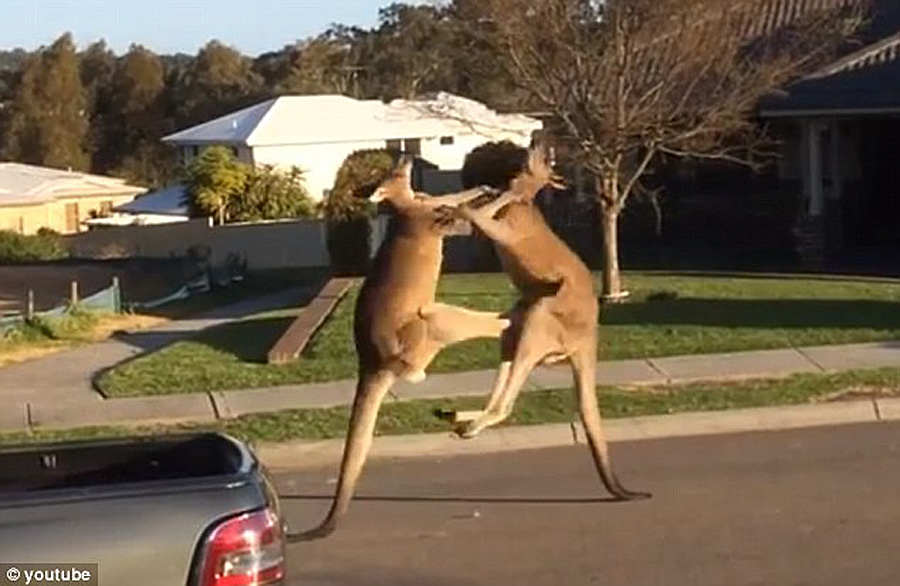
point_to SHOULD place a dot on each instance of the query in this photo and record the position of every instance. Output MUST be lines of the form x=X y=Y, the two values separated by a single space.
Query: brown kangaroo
x=398 y=327
x=556 y=317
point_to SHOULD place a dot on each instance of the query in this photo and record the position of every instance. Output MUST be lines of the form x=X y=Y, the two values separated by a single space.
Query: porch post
x=837 y=179
x=813 y=133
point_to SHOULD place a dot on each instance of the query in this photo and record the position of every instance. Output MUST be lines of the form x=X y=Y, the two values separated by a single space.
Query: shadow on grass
x=248 y=340
x=758 y=313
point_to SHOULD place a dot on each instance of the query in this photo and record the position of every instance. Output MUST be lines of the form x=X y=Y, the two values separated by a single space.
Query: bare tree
x=626 y=81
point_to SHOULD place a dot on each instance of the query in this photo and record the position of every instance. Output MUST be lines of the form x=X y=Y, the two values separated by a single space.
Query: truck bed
x=139 y=508
x=108 y=465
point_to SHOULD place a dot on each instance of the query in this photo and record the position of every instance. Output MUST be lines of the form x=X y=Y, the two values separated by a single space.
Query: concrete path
x=302 y=454
x=58 y=389
x=804 y=507
x=655 y=371
x=58 y=408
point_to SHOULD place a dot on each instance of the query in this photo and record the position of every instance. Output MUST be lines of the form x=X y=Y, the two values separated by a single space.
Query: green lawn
x=666 y=315
x=531 y=409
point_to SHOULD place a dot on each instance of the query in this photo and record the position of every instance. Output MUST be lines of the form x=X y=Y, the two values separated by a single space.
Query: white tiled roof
x=332 y=118
x=23 y=184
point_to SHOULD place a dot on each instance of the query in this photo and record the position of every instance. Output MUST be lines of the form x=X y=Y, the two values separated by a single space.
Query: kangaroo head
x=397 y=188
x=536 y=175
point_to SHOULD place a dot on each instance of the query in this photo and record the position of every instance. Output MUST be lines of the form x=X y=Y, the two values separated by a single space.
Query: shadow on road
x=373 y=577
x=488 y=500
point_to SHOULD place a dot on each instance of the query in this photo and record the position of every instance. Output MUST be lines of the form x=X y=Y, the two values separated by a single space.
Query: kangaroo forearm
x=452 y=199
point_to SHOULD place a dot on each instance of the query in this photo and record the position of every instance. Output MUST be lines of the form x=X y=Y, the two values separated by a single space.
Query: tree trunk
x=611 y=279
x=610 y=208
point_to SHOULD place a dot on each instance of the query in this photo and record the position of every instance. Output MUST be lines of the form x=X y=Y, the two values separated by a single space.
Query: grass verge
x=666 y=316
x=533 y=408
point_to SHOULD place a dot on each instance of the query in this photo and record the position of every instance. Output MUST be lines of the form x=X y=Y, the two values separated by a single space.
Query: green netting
x=109 y=300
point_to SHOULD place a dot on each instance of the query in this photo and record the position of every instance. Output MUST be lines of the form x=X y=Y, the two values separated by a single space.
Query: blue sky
x=165 y=26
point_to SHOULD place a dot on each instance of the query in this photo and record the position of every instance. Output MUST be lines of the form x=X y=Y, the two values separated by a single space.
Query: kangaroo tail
x=370 y=392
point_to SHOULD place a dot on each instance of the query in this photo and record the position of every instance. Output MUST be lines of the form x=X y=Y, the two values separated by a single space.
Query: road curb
x=310 y=454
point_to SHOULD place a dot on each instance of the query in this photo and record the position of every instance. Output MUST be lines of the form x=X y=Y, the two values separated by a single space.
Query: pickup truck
x=179 y=510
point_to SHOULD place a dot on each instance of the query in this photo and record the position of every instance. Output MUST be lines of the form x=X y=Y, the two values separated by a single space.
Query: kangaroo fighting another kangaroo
x=398 y=327
x=556 y=317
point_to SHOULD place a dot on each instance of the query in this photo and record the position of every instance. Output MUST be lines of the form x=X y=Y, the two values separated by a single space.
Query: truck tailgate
x=140 y=533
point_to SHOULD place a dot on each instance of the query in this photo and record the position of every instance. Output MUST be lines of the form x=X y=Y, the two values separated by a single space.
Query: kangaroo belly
x=403 y=278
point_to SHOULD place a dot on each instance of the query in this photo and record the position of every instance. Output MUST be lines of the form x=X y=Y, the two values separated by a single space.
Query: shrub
x=214 y=180
x=271 y=195
x=494 y=164
x=18 y=248
x=348 y=210
x=75 y=324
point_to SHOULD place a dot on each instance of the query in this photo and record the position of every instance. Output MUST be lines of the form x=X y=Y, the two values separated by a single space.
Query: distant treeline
x=94 y=110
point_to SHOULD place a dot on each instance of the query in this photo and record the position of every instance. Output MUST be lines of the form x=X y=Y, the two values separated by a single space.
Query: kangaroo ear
x=538 y=165
x=404 y=166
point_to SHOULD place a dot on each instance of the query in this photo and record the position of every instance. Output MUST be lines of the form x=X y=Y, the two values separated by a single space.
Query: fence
x=262 y=245
x=108 y=299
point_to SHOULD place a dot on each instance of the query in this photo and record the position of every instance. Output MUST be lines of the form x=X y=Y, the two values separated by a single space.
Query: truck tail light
x=247 y=550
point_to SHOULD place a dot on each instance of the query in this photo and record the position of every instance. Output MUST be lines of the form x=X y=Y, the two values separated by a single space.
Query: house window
x=71 y=217
x=195 y=151
x=447 y=140
x=234 y=152
x=411 y=146
x=106 y=208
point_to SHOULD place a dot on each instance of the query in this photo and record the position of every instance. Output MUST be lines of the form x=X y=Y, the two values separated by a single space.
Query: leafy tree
x=97 y=67
x=14 y=59
x=48 y=123
x=409 y=53
x=137 y=120
x=218 y=80
x=630 y=81
x=326 y=64
x=214 y=181
x=478 y=73
x=270 y=195
x=347 y=210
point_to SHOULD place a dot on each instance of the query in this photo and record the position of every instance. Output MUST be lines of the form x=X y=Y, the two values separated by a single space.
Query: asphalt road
x=817 y=507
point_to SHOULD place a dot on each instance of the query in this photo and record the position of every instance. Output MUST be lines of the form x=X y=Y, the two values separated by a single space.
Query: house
x=840 y=132
x=33 y=197
x=163 y=206
x=317 y=132
x=830 y=200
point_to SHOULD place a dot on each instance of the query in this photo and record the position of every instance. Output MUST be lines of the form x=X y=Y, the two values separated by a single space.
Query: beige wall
x=28 y=219
x=264 y=245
